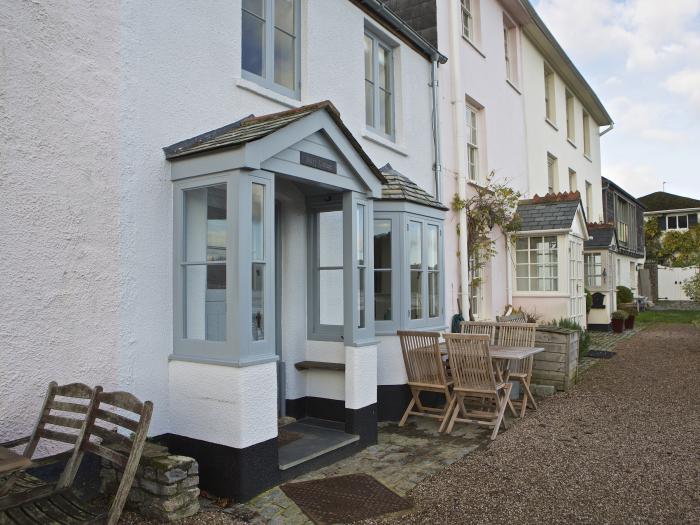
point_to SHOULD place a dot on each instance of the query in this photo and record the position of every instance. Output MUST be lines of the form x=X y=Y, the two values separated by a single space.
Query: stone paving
x=401 y=458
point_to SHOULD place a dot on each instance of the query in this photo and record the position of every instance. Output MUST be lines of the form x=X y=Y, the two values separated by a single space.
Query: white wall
x=544 y=138
x=671 y=282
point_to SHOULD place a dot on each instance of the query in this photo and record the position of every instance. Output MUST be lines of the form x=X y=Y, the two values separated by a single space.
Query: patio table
x=11 y=461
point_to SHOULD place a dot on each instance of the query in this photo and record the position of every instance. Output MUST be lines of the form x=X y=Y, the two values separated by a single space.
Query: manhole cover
x=600 y=354
x=344 y=499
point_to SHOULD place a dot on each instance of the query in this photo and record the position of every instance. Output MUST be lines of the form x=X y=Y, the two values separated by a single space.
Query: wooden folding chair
x=479 y=328
x=426 y=373
x=53 y=425
x=519 y=334
x=109 y=434
x=473 y=376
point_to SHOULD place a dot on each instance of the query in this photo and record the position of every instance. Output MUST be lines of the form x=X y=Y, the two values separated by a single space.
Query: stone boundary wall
x=558 y=364
x=165 y=487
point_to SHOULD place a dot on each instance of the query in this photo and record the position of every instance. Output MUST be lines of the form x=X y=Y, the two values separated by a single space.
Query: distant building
x=673 y=212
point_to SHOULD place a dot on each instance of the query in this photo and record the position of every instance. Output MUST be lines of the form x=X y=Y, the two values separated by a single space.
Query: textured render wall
x=503 y=144
x=59 y=282
x=543 y=138
x=360 y=376
x=391 y=369
x=236 y=407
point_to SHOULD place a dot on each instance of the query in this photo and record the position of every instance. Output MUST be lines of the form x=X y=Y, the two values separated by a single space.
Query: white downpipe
x=459 y=109
x=437 y=165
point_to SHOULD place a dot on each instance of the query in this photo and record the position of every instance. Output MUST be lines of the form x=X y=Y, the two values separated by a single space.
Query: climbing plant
x=674 y=247
x=491 y=205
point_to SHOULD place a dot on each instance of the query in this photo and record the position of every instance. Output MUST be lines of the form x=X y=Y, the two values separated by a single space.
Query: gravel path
x=623 y=447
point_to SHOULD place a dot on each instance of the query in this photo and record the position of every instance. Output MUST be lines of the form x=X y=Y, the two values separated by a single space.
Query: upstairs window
x=589 y=201
x=570 y=120
x=510 y=49
x=379 y=85
x=552 y=174
x=270 y=44
x=586 y=135
x=549 y=100
x=467 y=20
x=537 y=264
x=681 y=222
x=473 y=144
x=573 y=185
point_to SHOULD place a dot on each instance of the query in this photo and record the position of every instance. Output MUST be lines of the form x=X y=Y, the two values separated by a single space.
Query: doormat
x=285 y=437
x=600 y=354
x=344 y=499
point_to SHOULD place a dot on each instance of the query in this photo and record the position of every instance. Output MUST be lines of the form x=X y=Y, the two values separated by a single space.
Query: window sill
x=554 y=126
x=221 y=362
x=512 y=85
x=474 y=46
x=541 y=294
x=588 y=158
x=251 y=86
x=571 y=143
x=382 y=141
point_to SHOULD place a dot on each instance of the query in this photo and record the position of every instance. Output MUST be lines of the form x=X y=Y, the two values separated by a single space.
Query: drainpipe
x=459 y=116
x=437 y=165
x=509 y=269
x=606 y=130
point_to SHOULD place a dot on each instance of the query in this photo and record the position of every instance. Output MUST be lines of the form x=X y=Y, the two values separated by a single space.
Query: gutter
x=379 y=7
x=606 y=130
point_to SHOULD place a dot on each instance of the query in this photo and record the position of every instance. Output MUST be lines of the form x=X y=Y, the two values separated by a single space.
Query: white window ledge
x=251 y=86
x=554 y=126
x=473 y=44
x=588 y=158
x=571 y=142
x=382 y=141
x=515 y=88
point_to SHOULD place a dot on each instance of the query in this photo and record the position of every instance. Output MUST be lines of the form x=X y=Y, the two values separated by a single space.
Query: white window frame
x=586 y=135
x=267 y=79
x=550 y=102
x=374 y=123
x=594 y=270
x=589 y=201
x=677 y=216
x=570 y=117
x=473 y=136
x=510 y=45
x=552 y=174
x=548 y=267
x=466 y=9
x=573 y=180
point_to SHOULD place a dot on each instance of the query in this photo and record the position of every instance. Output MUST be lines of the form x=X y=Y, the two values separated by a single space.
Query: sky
x=642 y=58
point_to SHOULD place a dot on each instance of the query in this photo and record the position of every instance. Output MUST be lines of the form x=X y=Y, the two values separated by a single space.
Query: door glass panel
x=331 y=297
x=204 y=291
x=258 y=297
x=330 y=238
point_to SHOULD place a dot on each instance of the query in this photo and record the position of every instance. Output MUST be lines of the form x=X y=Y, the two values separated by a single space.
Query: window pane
x=360 y=224
x=433 y=294
x=369 y=71
x=682 y=221
x=382 y=296
x=258 y=236
x=258 y=290
x=415 y=250
x=330 y=297
x=385 y=112
x=432 y=247
x=416 y=295
x=255 y=6
x=205 y=302
x=330 y=238
x=361 y=298
x=522 y=284
x=520 y=257
x=382 y=243
x=284 y=59
x=205 y=224
x=284 y=15
x=521 y=244
x=369 y=103
x=253 y=44
x=521 y=270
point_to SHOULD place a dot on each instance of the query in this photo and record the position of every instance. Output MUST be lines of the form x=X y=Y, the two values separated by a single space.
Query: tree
x=492 y=205
x=672 y=248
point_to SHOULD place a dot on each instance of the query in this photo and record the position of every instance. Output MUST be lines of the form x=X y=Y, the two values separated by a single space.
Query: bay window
x=537 y=264
x=383 y=307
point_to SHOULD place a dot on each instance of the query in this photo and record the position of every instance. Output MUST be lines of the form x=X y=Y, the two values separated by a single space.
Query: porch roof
x=400 y=187
x=252 y=128
x=601 y=236
x=551 y=212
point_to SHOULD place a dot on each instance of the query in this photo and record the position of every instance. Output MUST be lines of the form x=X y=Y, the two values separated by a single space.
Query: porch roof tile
x=546 y=215
x=401 y=188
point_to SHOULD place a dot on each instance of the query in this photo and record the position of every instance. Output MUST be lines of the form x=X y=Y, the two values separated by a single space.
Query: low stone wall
x=557 y=365
x=165 y=487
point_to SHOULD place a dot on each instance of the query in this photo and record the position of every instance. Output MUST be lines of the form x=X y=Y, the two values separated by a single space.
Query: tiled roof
x=551 y=212
x=660 y=200
x=252 y=128
x=398 y=187
x=601 y=236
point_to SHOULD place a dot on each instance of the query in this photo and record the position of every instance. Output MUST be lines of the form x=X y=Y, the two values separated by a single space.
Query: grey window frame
x=268 y=79
x=379 y=40
x=592 y=279
x=556 y=277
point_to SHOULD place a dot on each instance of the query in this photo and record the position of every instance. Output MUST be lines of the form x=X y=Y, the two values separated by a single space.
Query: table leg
x=502 y=377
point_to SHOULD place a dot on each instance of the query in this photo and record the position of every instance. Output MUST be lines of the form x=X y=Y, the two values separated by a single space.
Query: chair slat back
x=513 y=318
x=518 y=334
x=479 y=328
x=421 y=356
x=61 y=419
x=470 y=361
x=121 y=438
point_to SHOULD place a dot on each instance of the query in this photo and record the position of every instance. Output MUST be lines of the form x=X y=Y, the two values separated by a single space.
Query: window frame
x=267 y=80
x=594 y=280
x=573 y=176
x=570 y=117
x=473 y=128
x=550 y=100
x=552 y=173
x=677 y=216
x=557 y=277
x=589 y=201
x=586 y=134
x=381 y=41
x=467 y=13
x=511 y=55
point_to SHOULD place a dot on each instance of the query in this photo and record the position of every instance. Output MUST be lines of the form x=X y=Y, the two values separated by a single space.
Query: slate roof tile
x=400 y=187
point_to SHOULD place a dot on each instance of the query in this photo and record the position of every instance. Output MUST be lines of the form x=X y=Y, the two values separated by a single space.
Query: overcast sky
x=642 y=57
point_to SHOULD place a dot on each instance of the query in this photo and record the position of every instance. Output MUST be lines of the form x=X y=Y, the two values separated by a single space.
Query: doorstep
x=318 y=438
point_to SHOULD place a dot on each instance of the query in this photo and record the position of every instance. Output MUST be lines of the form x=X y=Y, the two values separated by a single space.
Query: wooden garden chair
x=519 y=334
x=108 y=434
x=479 y=328
x=426 y=373
x=55 y=426
x=473 y=376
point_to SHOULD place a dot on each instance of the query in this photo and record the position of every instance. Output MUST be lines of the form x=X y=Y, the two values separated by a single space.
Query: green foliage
x=584 y=337
x=624 y=295
x=674 y=247
x=491 y=205
x=619 y=314
x=669 y=316
x=589 y=301
x=692 y=287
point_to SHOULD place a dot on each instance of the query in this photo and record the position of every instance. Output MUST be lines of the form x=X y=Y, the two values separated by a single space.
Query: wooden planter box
x=557 y=365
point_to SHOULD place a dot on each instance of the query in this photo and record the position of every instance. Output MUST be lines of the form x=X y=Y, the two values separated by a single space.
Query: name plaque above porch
x=320 y=163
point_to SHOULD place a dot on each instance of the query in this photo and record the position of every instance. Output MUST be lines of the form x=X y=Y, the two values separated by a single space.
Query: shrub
x=584 y=338
x=691 y=287
x=624 y=295
x=619 y=314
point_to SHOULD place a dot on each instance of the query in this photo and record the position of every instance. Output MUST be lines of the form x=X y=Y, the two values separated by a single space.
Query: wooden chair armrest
x=16 y=442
